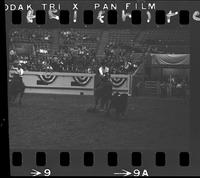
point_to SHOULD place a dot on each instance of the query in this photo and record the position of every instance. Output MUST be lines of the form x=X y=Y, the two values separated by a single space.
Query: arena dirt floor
x=61 y=122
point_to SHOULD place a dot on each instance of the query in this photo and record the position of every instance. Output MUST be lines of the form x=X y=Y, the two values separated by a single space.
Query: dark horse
x=103 y=95
x=15 y=90
x=102 y=92
x=119 y=103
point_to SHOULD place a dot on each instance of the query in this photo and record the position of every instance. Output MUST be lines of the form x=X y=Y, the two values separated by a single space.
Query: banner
x=70 y=83
x=170 y=59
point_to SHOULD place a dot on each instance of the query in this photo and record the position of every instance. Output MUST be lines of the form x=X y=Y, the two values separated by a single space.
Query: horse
x=119 y=103
x=108 y=100
x=102 y=92
x=16 y=90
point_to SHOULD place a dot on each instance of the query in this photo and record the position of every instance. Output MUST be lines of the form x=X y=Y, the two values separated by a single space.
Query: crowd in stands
x=29 y=35
x=69 y=52
x=122 y=58
x=65 y=61
x=75 y=50
x=62 y=61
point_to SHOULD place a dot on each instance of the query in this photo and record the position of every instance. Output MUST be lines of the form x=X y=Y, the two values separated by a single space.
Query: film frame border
x=195 y=91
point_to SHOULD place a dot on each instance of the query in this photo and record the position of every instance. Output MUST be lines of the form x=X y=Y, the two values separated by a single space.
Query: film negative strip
x=101 y=88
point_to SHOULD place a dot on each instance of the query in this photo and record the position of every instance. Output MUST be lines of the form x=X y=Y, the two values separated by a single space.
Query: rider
x=103 y=69
x=17 y=69
x=16 y=84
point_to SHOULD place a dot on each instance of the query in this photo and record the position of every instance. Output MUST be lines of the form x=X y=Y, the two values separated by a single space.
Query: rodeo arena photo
x=71 y=88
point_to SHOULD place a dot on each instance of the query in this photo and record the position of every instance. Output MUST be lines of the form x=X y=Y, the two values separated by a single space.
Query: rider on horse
x=102 y=87
x=17 y=72
x=16 y=85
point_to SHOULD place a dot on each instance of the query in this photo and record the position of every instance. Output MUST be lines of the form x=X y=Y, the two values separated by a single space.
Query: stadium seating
x=79 y=50
x=123 y=36
x=165 y=36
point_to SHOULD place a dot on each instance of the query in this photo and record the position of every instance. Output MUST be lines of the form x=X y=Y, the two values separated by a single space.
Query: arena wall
x=70 y=83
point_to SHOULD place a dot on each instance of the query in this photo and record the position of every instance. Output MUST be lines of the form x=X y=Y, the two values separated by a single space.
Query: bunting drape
x=170 y=59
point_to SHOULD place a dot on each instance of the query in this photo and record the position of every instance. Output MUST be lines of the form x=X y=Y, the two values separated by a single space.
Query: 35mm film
x=105 y=163
x=101 y=88
x=160 y=17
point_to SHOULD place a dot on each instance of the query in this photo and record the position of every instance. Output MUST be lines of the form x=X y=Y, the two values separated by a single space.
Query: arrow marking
x=125 y=173
x=35 y=172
